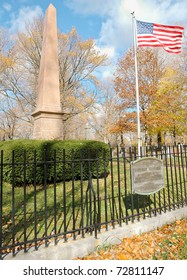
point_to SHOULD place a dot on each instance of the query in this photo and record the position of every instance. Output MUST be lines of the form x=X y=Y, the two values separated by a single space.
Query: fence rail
x=32 y=214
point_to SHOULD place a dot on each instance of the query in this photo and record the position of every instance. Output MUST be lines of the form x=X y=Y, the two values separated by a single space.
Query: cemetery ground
x=166 y=243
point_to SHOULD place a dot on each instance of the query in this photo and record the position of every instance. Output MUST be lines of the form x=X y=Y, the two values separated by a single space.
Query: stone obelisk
x=48 y=116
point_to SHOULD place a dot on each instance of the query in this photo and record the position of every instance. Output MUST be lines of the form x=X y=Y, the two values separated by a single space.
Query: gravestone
x=147 y=175
x=48 y=116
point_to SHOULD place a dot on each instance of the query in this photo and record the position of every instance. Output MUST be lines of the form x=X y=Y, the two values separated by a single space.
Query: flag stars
x=144 y=27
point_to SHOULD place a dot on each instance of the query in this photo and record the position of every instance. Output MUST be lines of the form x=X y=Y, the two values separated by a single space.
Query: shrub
x=33 y=161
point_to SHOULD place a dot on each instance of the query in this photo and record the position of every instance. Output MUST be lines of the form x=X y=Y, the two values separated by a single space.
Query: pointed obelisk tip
x=51 y=6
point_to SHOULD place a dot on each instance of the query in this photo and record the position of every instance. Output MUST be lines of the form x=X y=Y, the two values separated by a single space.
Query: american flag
x=168 y=37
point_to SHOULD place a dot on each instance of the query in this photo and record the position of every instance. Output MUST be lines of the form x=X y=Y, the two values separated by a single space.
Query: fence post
x=25 y=201
x=45 y=195
x=13 y=203
x=90 y=192
x=35 y=201
x=112 y=186
x=1 y=205
x=55 y=194
x=64 y=192
x=73 y=192
x=119 y=187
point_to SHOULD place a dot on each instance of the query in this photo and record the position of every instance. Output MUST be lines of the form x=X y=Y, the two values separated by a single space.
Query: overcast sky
x=109 y=22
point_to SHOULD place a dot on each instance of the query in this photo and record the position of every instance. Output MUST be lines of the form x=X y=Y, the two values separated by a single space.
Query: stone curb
x=83 y=247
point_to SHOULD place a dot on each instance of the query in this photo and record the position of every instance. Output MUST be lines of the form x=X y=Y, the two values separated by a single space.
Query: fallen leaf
x=163 y=243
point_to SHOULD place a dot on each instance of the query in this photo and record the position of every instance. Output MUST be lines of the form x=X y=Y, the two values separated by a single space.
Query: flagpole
x=136 y=81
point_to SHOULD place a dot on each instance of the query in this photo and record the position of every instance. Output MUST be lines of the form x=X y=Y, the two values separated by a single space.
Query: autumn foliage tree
x=78 y=60
x=150 y=69
x=104 y=112
x=6 y=51
x=168 y=110
x=7 y=61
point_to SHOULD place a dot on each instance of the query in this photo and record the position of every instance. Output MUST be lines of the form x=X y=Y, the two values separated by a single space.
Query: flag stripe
x=158 y=35
x=170 y=27
x=167 y=39
x=152 y=40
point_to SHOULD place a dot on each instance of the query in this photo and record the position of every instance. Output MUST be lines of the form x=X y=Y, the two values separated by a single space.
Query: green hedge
x=33 y=161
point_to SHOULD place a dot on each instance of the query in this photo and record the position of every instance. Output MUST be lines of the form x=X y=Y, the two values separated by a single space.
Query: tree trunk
x=159 y=139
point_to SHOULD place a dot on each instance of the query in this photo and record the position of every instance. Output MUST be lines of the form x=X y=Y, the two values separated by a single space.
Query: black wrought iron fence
x=33 y=213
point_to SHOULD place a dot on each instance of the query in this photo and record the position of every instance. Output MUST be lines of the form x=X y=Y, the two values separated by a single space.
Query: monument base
x=48 y=125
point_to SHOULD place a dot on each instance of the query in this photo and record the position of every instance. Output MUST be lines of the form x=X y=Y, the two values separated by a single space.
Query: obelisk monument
x=48 y=116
